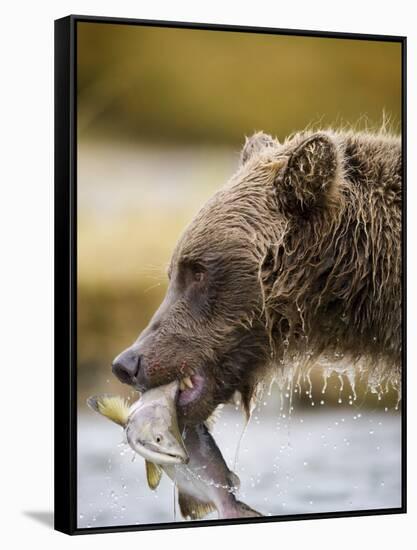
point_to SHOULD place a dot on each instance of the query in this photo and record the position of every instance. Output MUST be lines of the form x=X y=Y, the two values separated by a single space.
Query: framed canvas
x=229 y=261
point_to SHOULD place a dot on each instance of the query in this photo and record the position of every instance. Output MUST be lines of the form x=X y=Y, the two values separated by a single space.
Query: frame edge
x=64 y=404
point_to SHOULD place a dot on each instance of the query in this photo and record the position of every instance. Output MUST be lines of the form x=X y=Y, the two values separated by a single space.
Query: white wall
x=26 y=124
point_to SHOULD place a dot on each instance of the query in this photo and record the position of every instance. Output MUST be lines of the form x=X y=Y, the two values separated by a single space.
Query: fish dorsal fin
x=153 y=474
x=112 y=406
x=192 y=508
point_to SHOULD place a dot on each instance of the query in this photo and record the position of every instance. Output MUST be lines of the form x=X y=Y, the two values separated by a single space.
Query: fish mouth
x=151 y=453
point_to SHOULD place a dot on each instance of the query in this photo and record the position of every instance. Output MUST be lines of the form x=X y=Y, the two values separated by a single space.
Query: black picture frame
x=66 y=273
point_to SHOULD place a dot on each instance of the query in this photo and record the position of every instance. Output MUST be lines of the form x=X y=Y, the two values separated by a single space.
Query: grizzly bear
x=295 y=261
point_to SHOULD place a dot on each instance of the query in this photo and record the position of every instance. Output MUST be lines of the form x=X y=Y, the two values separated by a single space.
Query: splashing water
x=300 y=377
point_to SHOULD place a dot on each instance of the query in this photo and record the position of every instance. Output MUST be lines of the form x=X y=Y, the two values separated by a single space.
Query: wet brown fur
x=332 y=280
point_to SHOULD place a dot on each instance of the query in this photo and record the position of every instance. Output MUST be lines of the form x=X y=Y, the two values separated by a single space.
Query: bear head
x=213 y=330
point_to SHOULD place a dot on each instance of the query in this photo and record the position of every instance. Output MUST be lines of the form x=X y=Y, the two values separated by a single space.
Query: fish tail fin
x=113 y=407
x=245 y=511
x=237 y=509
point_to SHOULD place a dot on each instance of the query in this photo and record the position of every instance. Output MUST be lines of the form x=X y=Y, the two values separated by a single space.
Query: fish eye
x=158 y=438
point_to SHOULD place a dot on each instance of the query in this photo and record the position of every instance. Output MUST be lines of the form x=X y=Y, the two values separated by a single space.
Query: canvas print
x=239 y=275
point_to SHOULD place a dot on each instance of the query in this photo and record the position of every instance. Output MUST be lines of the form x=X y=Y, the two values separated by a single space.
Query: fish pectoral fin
x=153 y=474
x=192 y=508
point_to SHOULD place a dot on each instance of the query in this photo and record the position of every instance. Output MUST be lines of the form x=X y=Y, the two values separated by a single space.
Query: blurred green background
x=162 y=114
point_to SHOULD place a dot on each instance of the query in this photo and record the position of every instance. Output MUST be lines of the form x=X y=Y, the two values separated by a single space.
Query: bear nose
x=126 y=366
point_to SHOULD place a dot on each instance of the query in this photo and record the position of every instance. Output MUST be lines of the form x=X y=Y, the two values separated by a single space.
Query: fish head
x=152 y=429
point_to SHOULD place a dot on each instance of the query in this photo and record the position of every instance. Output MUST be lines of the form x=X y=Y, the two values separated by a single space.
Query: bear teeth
x=186 y=383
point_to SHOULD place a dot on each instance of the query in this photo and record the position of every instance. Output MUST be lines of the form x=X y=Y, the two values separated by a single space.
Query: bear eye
x=189 y=272
x=198 y=276
x=198 y=272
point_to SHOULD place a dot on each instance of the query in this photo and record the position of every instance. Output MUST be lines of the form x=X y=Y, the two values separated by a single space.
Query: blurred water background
x=162 y=115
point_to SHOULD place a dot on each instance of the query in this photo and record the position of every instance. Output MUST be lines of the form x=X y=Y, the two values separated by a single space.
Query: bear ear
x=308 y=179
x=255 y=144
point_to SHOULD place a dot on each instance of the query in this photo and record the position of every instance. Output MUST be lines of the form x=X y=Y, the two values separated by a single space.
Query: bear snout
x=127 y=367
